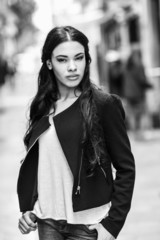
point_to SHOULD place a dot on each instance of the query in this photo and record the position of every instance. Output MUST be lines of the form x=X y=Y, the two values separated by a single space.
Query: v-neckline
x=68 y=108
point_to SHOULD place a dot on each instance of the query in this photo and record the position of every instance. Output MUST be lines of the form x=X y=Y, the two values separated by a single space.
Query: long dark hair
x=48 y=94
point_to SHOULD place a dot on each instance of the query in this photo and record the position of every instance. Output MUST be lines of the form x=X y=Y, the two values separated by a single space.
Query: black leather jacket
x=96 y=190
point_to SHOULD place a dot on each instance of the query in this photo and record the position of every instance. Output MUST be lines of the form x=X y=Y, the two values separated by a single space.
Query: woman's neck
x=68 y=94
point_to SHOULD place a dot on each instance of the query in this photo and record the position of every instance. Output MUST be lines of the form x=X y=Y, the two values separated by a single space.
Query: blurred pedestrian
x=7 y=71
x=76 y=132
x=135 y=86
x=3 y=71
x=116 y=77
x=12 y=69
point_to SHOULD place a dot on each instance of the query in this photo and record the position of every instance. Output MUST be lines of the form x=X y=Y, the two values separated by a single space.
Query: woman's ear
x=49 y=64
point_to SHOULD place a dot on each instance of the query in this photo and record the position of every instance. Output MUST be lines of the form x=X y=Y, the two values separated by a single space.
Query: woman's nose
x=72 y=66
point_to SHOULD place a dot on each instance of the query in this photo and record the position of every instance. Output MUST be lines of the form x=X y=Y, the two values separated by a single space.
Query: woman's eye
x=61 y=60
x=79 y=58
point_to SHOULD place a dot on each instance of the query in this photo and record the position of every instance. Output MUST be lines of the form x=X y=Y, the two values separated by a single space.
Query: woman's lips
x=73 y=77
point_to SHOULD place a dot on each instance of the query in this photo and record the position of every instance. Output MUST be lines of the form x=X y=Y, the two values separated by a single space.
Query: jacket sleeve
x=118 y=146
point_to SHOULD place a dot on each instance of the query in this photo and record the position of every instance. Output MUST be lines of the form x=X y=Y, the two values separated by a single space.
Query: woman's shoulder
x=102 y=97
x=108 y=104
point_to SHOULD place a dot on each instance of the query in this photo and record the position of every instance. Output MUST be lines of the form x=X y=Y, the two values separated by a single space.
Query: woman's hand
x=103 y=234
x=27 y=223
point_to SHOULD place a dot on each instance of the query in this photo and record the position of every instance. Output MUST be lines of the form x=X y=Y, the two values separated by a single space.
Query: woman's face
x=68 y=63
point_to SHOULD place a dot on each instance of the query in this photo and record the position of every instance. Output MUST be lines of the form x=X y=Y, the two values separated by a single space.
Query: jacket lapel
x=41 y=127
x=68 y=125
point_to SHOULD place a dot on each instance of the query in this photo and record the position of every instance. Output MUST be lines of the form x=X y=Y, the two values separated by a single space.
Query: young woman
x=76 y=133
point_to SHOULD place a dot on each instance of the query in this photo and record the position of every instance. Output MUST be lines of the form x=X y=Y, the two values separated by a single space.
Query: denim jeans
x=49 y=229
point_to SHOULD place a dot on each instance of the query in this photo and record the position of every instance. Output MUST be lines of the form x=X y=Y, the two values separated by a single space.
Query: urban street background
x=144 y=218
x=115 y=29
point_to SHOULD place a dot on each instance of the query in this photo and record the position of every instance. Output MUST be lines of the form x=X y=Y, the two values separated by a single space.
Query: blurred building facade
x=115 y=28
x=134 y=24
x=129 y=25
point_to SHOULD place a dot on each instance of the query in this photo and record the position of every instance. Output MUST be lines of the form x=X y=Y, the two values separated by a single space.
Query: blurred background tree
x=24 y=11
x=26 y=30
x=17 y=32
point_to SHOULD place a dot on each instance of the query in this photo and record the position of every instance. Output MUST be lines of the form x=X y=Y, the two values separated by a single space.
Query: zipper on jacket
x=79 y=176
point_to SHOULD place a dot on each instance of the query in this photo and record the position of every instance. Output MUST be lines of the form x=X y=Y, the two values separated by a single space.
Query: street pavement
x=143 y=221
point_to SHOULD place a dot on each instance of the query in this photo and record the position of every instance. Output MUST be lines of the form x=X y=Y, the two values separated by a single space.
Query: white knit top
x=55 y=181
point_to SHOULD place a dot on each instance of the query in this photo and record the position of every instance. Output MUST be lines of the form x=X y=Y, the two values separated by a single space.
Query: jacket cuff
x=111 y=226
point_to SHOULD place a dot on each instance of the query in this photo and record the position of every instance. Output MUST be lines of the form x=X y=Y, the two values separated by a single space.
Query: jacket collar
x=68 y=125
x=40 y=128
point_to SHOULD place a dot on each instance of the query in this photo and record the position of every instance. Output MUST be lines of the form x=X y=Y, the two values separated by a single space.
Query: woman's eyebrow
x=65 y=56
x=82 y=53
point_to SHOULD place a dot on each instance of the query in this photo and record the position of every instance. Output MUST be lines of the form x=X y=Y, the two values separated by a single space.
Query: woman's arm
x=118 y=146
